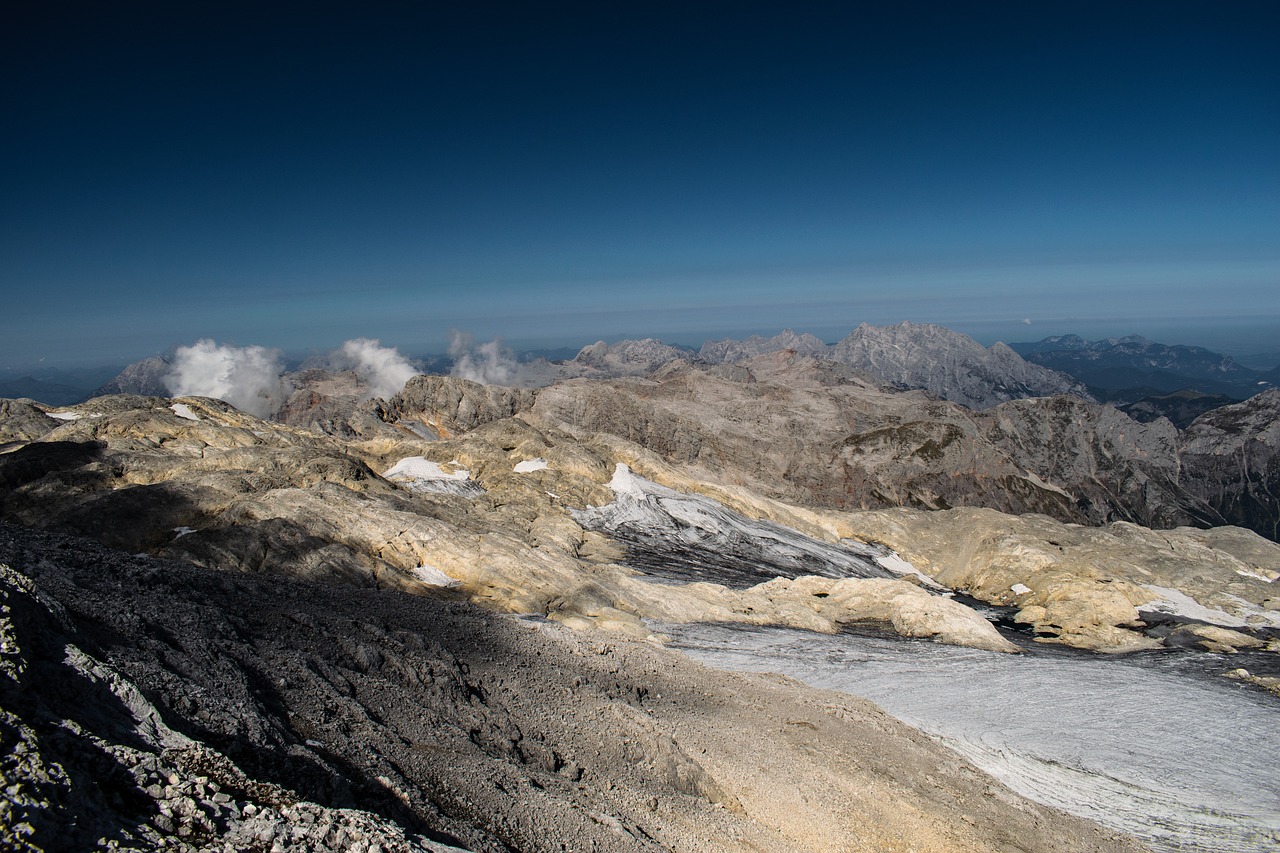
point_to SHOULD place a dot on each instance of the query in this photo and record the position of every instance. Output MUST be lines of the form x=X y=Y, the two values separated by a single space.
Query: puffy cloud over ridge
x=249 y=378
x=490 y=363
x=383 y=368
x=253 y=378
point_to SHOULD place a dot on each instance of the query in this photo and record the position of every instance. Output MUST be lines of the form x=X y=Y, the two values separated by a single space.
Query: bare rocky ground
x=277 y=639
x=149 y=704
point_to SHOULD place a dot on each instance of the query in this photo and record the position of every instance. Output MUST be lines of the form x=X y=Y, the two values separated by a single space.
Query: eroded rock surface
x=147 y=703
x=198 y=480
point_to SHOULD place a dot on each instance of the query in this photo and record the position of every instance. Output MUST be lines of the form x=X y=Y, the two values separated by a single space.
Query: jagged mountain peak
x=950 y=364
x=630 y=356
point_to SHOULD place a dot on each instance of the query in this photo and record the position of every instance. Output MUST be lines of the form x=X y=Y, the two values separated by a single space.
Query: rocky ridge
x=813 y=433
x=948 y=364
x=496 y=510
x=200 y=481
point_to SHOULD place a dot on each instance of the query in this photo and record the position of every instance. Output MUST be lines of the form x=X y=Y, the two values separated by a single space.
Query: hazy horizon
x=1240 y=342
x=558 y=173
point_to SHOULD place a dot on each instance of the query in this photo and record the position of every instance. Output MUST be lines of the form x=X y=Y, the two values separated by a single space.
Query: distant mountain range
x=1129 y=368
x=948 y=364
x=54 y=387
x=1143 y=378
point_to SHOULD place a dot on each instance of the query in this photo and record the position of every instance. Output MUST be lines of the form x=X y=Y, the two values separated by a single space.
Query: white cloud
x=489 y=363
x=383 y=368
x=249 y=378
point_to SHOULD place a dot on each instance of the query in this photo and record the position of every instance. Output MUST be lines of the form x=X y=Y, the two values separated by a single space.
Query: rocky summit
x=435 y=621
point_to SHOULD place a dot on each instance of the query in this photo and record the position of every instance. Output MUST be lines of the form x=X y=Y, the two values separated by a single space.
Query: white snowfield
x=899 y=566
x=182 y=410
x=419 y=474
x=1177 y=603
x=531 y=465
x=434 y=577
x=421 y=468
x=65 y=416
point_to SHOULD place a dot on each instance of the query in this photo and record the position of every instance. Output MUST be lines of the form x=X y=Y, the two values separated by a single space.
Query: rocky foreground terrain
x=150 y=704
x=353 y=621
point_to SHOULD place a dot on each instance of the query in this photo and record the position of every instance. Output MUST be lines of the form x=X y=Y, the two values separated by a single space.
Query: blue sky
x=294 y=175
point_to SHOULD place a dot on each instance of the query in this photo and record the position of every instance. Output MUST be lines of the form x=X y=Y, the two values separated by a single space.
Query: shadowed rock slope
x=147 y=703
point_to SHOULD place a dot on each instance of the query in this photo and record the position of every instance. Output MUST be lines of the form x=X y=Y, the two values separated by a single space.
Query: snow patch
x=1253 y=614
x=530 y=465
x=421 y=468
x=419 y=474
x=1020 y=589
x=626 y=484
x=689 y=537
x=183 y=531
x=1175 y=603
x=899 y=566
x=65 y=416
x=1256 y=575
x=182 y=410
x=432 y=576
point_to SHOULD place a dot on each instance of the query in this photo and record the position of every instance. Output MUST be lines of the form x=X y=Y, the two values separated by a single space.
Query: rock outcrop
x=949 y=364
x=814 y=433
x=629 y=358
x=147 y=704
x=1098 y=588
x=198 y=480
x=1231 y=461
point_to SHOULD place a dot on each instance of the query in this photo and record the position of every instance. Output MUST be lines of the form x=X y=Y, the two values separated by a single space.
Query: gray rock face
x=812 y=433
x=145 y=377
x=728 y=350
x=21 y=420
x=630 y=358
x=1231 y=461
x=911 y=355
x=332 y=404
x=951 y=365
x=1103 y=458
x=446 y=405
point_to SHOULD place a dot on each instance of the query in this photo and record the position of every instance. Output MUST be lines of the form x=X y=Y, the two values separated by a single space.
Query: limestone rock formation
x=196 y=479
x=813 y=433
x=145 y=378
x=447 y=406
x=949 y=364
x=630 y=358
x=729 y=350
x=1095 y=588
x=22 y=421
x=146 y=703
x=1231 y=460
